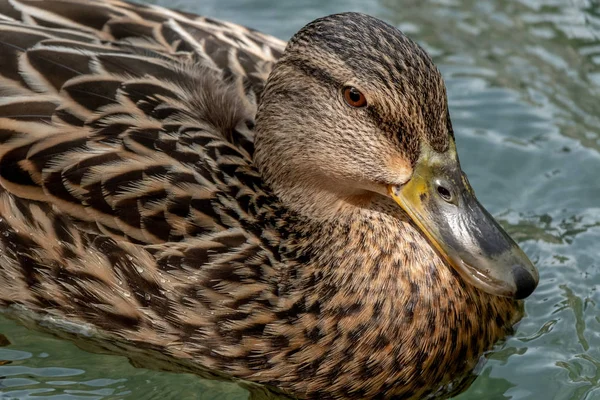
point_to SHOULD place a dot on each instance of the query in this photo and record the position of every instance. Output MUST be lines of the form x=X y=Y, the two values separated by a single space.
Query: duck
x=290 y=214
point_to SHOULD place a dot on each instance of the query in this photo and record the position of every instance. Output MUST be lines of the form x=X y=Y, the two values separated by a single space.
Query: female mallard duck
x=312 y=230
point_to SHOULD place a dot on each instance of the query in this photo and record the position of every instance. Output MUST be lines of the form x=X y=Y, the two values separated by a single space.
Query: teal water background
x=524 y=90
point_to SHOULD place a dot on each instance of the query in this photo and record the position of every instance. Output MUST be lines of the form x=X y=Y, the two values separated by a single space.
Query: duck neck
x=316 y=198
x=369 y=284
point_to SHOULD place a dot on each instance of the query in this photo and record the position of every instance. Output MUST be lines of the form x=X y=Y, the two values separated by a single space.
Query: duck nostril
x=444 y=193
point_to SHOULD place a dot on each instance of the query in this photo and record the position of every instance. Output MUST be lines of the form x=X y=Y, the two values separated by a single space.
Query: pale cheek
x=399 y=169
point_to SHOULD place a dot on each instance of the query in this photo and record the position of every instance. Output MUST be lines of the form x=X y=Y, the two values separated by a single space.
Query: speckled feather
x=131 y=200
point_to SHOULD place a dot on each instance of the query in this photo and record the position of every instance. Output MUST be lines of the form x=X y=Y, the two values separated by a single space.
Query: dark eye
x=354 y=97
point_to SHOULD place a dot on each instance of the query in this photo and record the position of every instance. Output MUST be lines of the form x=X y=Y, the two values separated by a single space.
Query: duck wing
x=128 y=199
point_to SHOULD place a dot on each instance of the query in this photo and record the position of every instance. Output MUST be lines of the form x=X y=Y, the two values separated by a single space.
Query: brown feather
x=135 y=200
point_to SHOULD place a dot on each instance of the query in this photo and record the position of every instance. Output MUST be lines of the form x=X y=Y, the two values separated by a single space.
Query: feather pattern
x=126 y=138
x=130 y=202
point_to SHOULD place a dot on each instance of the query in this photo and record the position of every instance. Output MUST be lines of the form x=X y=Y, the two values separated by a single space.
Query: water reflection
x=545 y=228
x=56 y=369
x=545 y=50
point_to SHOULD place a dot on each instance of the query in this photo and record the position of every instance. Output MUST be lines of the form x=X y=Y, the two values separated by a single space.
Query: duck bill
x=441 y=202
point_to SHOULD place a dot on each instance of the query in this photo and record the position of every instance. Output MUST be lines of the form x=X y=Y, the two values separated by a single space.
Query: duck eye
x=354 y=97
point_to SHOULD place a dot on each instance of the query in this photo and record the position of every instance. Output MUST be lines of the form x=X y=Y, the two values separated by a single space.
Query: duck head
x=355 y=110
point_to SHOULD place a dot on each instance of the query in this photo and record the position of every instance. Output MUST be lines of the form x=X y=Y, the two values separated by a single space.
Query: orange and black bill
x=441 y=202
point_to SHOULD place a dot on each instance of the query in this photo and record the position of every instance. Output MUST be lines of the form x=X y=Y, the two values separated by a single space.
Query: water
x=524 y=85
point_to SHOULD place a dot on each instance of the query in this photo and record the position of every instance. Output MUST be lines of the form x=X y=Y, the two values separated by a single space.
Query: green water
x=524 y=90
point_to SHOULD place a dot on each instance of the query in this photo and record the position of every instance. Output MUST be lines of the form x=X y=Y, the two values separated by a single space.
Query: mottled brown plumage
x=138 y=198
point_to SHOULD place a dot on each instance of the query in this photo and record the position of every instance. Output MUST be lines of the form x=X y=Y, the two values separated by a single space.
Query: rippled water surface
x=524 y=90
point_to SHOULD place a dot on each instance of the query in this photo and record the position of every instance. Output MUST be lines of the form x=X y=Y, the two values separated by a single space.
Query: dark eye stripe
x=314 y=72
